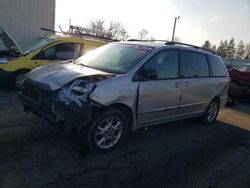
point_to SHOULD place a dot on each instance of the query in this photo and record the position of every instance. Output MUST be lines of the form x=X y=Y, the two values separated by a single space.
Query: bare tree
x=124 y=35
x=142 y=34
x=97 y=25
x=117 y=31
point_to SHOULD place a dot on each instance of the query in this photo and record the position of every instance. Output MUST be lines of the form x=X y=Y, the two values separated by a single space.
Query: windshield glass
x=114 y=58
x=36 y=44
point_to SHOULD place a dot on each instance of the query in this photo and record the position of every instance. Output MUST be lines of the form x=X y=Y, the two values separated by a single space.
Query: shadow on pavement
x=242 y=107
x=179 y=154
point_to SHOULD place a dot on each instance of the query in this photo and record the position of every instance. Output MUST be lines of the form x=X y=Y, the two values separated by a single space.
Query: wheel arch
x=120 y=106
x=19 y=70
x=14 y=73
x=216 y=98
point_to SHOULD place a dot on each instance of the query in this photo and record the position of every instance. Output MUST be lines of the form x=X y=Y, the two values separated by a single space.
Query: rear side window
x=217 y=66
x=62 y=51
x=194 y=65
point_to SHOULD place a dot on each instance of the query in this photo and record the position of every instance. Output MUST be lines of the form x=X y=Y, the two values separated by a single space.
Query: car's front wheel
x=17 y=79
x=107 y=131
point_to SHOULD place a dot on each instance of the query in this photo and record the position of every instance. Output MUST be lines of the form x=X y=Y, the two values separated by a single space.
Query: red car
x=240 y=83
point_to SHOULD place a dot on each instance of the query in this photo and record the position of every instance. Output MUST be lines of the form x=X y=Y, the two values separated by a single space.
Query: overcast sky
x=199 y=19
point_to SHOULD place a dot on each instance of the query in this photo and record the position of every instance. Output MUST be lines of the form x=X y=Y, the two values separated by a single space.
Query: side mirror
x=145 y=74
x=150 y=74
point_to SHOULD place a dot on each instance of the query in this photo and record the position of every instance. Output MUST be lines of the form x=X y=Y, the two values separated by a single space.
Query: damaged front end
x=71 y=103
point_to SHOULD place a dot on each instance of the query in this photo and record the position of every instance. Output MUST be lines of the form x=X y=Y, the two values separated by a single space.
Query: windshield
x=36 y=44
x=114 y=58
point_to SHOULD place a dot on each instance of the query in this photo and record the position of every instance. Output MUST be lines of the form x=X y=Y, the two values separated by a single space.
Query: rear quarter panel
x=222 y=84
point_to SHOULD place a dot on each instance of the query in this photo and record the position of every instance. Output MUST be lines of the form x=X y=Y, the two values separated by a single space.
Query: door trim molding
x=160 y=109
x=193 y=104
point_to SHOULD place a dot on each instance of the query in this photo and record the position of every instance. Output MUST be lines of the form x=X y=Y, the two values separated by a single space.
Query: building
x=22 y=19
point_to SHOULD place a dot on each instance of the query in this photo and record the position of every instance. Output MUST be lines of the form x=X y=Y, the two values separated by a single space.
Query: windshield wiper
x=87 y=66
x=27 y=52
x=102 y=69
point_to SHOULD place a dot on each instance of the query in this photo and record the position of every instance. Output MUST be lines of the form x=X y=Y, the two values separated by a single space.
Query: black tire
x=208 y=118
x=14 y=79
x=89 y=133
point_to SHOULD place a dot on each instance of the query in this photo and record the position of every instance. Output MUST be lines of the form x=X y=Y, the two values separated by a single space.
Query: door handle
x=186 y=84
x=177 y=85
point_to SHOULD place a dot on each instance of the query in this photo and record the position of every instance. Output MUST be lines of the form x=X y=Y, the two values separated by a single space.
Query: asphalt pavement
x=179 y=154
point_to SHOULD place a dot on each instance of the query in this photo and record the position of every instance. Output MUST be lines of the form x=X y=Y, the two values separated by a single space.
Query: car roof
x=141 y=43
x=172 y=45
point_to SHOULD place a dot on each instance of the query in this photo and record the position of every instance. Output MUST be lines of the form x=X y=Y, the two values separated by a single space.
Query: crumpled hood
x=54 y=76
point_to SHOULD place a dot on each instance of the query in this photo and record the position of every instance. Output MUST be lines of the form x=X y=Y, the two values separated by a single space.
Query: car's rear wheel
x=17 y=79
x=211 y=112
x=107 y=131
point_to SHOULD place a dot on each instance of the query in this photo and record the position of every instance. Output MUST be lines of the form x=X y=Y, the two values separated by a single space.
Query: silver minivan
x=123 y=86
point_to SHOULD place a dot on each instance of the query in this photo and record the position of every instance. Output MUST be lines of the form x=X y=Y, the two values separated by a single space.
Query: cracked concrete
x=178 y=154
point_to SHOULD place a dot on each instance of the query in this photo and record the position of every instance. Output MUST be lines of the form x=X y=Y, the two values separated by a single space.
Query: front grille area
x=38 y=94
x=32 y=92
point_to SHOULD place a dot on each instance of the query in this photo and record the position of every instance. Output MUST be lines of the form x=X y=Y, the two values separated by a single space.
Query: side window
x=194 y=65
x=217 y=66
x=62 y=51
x=165 y=64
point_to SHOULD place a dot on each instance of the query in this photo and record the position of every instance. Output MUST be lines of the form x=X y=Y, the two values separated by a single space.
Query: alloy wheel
x=212 y=111
x=108 y=132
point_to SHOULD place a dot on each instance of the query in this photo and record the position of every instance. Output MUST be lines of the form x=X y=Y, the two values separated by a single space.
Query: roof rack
x=173 y=43
x=81 y=32
x=154 y=40
x=189 y=45
x=89 y=33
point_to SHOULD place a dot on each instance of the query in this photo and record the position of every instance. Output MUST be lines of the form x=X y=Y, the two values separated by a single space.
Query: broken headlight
x=77 y=92
x=83 y=88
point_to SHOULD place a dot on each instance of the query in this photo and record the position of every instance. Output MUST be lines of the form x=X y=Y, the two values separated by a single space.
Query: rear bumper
x=4 y=78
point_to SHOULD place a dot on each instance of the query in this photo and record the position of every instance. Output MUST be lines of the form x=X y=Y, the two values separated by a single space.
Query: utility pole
x=175 y=19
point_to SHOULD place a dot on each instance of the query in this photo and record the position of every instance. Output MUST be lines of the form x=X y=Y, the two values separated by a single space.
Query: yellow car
x=16 y=62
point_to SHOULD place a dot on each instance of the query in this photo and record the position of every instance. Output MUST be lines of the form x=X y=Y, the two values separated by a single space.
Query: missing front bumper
x=70 y=113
